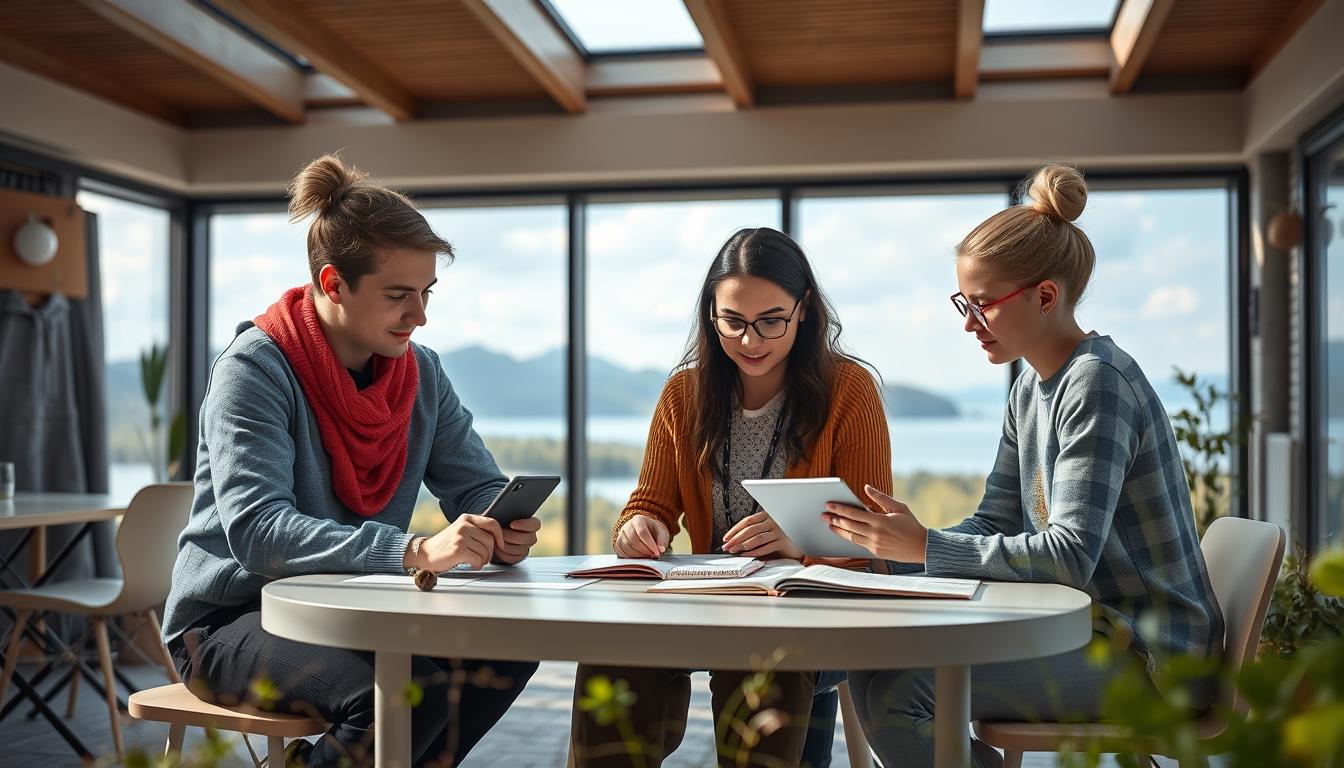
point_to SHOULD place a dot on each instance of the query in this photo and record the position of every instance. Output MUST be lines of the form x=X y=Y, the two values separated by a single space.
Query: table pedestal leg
x=952 y=717
x=391 y=714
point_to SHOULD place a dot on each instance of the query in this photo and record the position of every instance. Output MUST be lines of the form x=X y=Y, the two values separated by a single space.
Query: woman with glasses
x=1087 y=490
x=764 y=391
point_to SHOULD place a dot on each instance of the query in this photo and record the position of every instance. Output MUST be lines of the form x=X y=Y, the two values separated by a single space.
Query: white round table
x=617 y=622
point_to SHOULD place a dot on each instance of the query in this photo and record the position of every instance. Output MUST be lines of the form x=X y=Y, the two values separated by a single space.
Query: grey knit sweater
x=264 y=506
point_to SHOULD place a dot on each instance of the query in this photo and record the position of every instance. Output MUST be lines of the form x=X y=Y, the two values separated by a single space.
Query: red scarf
x=364 y=431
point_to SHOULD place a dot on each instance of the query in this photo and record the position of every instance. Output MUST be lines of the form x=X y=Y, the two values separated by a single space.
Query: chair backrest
x=147 y=544
x=1243 y=557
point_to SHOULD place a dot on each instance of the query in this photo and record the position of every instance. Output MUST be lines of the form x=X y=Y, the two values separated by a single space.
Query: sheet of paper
x=529 y=580
x=399 y=580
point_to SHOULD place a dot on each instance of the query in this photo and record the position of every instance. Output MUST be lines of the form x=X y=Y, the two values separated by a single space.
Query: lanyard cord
x=765 y=469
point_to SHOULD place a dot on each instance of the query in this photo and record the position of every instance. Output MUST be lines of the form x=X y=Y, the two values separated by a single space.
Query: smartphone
x=521 y=498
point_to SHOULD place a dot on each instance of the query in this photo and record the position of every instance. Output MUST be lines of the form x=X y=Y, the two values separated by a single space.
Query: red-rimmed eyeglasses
x=965 y=305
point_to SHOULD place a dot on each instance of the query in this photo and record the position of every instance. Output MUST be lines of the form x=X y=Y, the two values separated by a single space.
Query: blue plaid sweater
x=1088 y=491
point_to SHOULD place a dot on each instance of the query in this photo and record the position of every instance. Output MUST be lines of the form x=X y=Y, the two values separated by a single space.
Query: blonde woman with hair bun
x=1087 y=491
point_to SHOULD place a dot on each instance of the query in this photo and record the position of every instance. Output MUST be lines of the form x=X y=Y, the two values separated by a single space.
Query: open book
x=668 y=567
x=782 y=576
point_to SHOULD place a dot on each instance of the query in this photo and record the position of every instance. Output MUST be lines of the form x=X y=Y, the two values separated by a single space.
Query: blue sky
x=606 y=25
x=1020 y=15
x=134 y=275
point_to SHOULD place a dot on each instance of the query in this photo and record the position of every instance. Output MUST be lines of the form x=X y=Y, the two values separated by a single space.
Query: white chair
x=856 y=744
x=1243 y=558
x=147 y=548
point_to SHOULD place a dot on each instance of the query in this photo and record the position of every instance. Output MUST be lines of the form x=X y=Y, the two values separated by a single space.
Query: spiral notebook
x=667 y=567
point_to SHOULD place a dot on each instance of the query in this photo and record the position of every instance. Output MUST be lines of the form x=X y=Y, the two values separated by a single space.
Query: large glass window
x=497 y=320
x=1162 y=282
x=646 y=263
x=886 y=259
x=254 y=257
x=133 y=251
x=888 y=264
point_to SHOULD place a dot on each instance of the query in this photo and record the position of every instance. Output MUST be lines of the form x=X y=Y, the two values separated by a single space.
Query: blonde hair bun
x=1058 y=191
x=321 y=186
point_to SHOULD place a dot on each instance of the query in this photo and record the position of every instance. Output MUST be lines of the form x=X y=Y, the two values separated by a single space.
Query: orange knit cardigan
x=674 y=489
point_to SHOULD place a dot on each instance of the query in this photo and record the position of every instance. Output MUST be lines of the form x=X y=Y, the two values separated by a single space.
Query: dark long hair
x=813 y=363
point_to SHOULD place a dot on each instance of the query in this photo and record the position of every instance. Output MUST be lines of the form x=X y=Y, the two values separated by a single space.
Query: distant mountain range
x=493 y=384
x=496 y=385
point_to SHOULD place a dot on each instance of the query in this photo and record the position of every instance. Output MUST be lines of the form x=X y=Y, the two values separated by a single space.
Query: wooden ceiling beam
x=530 y=34
x=723 y=48
x=644 y=77
x=1137 y=26
x=26 y=57
x=1044 y=59
x=284 y=24
x=1294 y=21
x=970 y=36
x=199 y=39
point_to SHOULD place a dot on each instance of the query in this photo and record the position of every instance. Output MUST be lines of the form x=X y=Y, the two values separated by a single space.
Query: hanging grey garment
x=39 y=421
x=52 y=417
x=751 y=435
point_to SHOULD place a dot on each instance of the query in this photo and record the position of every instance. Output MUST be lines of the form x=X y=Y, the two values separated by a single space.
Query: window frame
x=1314 y=147
x=191 y=253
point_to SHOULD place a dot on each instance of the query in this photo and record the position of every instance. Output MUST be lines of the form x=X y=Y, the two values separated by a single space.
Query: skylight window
x=628 y=26
x=1028 y=17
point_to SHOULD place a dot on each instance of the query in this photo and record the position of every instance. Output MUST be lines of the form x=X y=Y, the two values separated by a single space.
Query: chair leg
x=1012 y=758
x=74 y=693
x=177 y=733
x=167 y=658
x=12 y=655
x=109 y=681
x=855 y=742
x=275 y=752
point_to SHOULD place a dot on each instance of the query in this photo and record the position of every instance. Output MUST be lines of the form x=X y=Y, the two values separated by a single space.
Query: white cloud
x=546 y=241
x=264 y=223
x=1170 y=301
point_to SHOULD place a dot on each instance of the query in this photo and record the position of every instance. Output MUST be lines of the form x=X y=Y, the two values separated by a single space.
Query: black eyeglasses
x=731 y=327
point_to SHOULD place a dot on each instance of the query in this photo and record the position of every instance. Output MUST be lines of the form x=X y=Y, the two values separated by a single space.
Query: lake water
x=942 y=446
x=937 y=446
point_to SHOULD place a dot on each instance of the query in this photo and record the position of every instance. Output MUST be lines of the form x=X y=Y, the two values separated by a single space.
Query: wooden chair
x=179 y=707
x=1243 y=558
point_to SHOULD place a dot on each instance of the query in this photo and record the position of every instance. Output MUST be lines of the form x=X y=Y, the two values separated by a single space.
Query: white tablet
x=797 y=503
